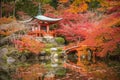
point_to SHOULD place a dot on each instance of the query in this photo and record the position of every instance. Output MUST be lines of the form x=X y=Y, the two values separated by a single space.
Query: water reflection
x=52 y=67
x=43 y=68
x=72 y=57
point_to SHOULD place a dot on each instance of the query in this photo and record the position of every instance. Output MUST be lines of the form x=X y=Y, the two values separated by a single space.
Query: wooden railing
x=41 y=33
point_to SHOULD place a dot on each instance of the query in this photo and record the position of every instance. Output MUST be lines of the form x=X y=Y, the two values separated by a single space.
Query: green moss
x=49 y=45
x=59 y=49
x=60 y=40
x=48 y=51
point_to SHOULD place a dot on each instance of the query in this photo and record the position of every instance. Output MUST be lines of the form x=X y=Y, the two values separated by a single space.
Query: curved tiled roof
x=42 y=18
x=45 y=18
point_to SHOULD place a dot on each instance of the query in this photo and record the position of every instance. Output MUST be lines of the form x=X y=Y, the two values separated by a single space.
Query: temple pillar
x=47 y=28
x=39 y=27
x=33 y=28
x=36 y=28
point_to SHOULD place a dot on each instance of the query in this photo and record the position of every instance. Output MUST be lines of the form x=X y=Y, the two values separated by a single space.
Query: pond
x=52 y=67
x=38 y=67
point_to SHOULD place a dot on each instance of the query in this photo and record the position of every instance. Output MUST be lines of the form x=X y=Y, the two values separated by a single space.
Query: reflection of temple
x=42 y=27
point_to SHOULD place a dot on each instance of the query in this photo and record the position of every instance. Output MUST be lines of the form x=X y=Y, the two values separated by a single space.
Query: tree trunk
x=0 y=8
x=14 y=8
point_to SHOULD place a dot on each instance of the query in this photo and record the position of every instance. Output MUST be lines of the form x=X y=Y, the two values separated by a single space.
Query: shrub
x=48 y=51
x=5 y=20
x=29 y=44
x=49 y=45
x=60 y=40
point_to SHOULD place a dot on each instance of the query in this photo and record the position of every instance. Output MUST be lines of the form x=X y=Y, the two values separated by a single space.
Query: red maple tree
x=29 y=44
x=105 y=35
x=74 y=27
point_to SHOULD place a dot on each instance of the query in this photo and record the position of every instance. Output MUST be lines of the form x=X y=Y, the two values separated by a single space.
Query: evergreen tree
x=54 y=3
x=27 y=6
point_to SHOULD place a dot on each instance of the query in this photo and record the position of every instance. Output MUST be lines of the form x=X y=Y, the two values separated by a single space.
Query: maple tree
x=29 y=44
x=94 y=29
x=105 y=35
x=79 y=24
x=49 y=10
x=74 y=27
x=108 y=4
x=9 y=26
x=78 y=7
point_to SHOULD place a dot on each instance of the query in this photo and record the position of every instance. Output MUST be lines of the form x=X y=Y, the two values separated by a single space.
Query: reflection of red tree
x=30 y=73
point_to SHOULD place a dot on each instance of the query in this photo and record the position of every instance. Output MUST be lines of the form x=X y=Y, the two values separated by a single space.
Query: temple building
x=42 y=25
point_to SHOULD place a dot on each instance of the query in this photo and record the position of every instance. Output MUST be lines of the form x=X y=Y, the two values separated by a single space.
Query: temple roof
x=42 y=17
x=45 y=18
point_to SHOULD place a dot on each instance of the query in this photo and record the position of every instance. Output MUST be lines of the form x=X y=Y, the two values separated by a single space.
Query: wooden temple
x=42 y=27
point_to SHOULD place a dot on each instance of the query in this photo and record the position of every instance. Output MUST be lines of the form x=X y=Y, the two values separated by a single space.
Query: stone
x=47 y=57
x=42 y=52
x=50 y=75
x=39 y=39
x=10 y=60
x=53 y=49
x=3 y=52
x=49 y=39
x=42 y=57
x=54 y=65
x=23 y=58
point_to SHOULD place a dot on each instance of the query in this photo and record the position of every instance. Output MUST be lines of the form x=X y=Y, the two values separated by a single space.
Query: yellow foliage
x=63 y=1
x=75 y=8
x=5 y=20
x=107 y=5
x=83 y=7
x=8 y=30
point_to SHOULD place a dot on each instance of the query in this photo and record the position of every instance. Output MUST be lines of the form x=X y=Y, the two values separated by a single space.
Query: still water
x=39 y=68
x=52 y=67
